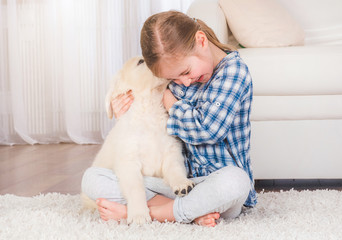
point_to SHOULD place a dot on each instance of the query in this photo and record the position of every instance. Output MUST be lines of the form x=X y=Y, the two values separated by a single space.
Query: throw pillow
x=261 y=23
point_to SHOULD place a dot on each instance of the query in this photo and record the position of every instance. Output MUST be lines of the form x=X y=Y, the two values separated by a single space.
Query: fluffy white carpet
x=285 y=215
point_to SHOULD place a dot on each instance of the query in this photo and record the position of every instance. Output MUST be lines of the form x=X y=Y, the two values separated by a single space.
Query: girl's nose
x=185 y=81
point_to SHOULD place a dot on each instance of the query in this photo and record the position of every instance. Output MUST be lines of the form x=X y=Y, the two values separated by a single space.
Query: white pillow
x=321 y=20
x=261 y=23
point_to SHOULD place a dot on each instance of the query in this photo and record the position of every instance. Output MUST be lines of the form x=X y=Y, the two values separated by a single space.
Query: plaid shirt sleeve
x=208 y=121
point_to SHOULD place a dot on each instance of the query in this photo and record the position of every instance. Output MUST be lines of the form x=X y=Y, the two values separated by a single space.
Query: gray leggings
x=224 y=191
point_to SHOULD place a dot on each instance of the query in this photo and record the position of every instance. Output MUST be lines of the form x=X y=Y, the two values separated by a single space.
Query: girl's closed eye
x=186 y=72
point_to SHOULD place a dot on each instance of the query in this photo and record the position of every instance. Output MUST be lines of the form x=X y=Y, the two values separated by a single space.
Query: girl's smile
x=188 y=70
x=189 y=81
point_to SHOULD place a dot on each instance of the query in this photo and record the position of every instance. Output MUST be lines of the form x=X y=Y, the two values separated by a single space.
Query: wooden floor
x=30 y=170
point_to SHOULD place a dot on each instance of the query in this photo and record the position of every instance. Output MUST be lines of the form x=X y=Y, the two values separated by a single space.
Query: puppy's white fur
x=138 y=145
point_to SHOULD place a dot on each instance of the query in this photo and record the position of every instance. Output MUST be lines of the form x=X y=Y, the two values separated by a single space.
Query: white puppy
x=138 y=145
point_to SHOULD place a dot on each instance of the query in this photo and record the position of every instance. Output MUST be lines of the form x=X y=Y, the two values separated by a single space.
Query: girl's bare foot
x=158 y=206
x=116 y=211
x=208 y=220
x=111 y=210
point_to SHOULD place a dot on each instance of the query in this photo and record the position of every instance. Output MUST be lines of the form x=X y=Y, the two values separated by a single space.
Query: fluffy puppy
x=138 y=145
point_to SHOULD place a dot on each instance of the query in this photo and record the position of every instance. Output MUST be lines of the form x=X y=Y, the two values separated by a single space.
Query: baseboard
x=298 y=184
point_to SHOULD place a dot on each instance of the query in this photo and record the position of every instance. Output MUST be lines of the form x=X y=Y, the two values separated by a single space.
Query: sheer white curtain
x=56 y=60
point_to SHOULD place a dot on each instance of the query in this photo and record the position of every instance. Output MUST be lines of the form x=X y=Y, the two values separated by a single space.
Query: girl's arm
x=168 y=99
x=209 y=122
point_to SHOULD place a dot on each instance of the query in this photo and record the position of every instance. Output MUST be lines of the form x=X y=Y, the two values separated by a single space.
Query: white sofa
x=297 y=108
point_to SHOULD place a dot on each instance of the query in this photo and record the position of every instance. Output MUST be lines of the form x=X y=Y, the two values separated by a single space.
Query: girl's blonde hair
x=172 y=33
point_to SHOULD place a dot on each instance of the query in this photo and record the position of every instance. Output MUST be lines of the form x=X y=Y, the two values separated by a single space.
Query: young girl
x=209 y=102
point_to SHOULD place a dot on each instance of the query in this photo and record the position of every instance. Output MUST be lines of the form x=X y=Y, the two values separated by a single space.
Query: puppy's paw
x=183 y=188
x=139 y=217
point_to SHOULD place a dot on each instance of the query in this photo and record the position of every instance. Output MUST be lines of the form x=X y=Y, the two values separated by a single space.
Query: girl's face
x=196 y=67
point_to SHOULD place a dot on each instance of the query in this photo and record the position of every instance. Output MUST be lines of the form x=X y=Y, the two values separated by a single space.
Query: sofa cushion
x=282 y=108
x=306 y=70
x=296 y=149
x=321 y=20
x=261 y=23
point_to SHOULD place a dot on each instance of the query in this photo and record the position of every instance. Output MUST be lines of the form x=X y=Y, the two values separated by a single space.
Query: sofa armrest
x=211 y=13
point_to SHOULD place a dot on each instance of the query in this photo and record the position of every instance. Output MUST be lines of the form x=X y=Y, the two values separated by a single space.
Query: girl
x=209 y=102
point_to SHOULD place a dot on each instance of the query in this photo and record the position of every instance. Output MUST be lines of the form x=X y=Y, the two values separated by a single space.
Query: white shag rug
x=283 y=215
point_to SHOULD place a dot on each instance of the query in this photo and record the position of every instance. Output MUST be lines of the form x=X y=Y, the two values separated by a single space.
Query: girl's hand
x=168 y=99
x=122 y=103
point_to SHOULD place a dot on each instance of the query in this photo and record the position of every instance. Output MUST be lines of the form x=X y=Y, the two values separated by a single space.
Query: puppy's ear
x=111 y=94
x=109 y=107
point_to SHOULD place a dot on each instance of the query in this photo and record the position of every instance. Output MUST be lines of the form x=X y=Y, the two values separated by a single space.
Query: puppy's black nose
x=140 y=62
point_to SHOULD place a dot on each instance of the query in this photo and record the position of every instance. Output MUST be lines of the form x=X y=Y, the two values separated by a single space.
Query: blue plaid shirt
x=214 y=116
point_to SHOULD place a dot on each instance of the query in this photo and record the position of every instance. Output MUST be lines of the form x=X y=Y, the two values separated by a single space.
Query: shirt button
x=181 y=93
x=217 y=104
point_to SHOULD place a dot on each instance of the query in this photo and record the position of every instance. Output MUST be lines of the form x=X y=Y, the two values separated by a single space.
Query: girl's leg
x=102 y=186
x=102 y=183
x=224 y=191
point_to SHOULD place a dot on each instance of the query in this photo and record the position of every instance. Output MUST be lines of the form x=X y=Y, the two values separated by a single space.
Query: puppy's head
x=135 y=76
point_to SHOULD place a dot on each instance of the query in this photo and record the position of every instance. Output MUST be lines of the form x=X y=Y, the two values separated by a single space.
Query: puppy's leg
x=87 y=203
x=174 y=173
x=132 y=186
